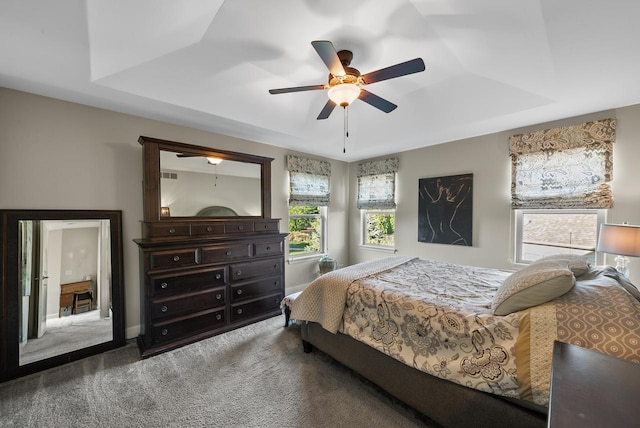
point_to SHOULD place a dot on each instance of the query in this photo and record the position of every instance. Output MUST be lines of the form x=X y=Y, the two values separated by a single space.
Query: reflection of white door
x=43 y=275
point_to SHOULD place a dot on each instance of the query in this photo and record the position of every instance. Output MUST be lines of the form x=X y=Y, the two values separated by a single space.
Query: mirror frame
x=9 y=303
x=152 y=191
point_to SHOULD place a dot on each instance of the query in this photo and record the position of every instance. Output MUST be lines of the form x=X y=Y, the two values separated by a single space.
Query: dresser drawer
x=249 y=290
x=266 y=226
x=174 y=306
x=184 y=327
x=174 y=258
x=256 y=307
x=164 y=285
x=225 y=253
x=242 y=271
x=268 y=248
x=238 y=226
x=204 y=229
x=168 y=230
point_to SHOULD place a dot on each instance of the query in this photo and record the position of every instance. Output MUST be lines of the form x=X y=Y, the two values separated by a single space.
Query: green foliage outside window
x=304 y=230
x=380 y=228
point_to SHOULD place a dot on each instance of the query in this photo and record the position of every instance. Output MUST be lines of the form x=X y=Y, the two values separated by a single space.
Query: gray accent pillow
x=533 y=285
x=579 y=265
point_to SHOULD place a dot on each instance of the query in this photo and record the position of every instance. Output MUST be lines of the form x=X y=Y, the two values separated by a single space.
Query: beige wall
x=61 y=155
x=487 y=157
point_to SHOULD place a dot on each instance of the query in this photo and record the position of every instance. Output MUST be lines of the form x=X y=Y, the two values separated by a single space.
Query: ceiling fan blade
x=297 y=89
x=329 y=56
x=402 y=69
x=377 y=102
x=326 y=110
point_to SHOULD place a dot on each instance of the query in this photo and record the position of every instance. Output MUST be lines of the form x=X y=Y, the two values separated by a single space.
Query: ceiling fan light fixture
x=344 y=94
x=213 y=161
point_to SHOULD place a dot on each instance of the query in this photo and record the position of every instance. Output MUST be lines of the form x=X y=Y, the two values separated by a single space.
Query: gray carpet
x=67 y=334
x=256 y=376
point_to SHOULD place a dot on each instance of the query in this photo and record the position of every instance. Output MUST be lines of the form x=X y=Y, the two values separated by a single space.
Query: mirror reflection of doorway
x=65 y=287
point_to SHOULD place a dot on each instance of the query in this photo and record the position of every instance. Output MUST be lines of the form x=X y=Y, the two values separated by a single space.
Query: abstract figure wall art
x=445 y=206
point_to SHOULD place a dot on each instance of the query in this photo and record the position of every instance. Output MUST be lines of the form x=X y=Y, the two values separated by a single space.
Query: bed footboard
x=447 y=403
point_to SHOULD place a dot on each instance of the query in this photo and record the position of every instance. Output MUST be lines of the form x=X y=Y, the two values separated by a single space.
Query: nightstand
x=590 y=389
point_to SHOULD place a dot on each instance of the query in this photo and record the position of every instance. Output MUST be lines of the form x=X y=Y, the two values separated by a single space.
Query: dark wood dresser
x=205 y=271
x=202 y=278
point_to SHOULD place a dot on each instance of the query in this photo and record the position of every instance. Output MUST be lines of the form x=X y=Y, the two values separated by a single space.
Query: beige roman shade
x=568 y=167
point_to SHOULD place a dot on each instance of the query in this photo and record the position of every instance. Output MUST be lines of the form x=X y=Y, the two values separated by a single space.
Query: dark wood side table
x=590 y=389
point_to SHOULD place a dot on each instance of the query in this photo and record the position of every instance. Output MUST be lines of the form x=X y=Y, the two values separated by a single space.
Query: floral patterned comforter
x=436 y=317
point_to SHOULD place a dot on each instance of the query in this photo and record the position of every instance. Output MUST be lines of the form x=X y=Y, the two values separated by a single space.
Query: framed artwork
x=445 y=209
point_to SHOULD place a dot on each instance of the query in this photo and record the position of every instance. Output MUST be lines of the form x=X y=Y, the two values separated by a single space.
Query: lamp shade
x=621 y=239
x=344 y=93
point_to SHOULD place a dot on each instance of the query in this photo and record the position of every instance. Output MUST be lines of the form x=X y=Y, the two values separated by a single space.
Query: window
x=378 y=228
x=309 y=196
x=560 y=188
x=540 y=233
x=377 y=201
x=306 y=230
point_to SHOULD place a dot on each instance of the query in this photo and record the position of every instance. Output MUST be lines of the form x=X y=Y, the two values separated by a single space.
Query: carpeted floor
x=67 y=334
x=256 y=376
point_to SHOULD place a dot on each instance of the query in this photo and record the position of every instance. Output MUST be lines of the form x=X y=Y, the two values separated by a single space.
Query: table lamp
x=620 y=239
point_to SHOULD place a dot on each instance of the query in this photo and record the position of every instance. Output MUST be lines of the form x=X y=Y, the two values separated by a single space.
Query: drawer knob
x=164 y=285
x=164 y=332
x=241 y=227
x=239 y=292
x=209 y=228
x=276 y=282
x=239 y=272
x=276 y=300
x=218 y=317
x=218 y=276
x=268 y=248
x=275 y=267
x=164 y=309
x=176 y=258
x=172 y=230
x=218 y=296
x=228 y=252
x=266 y=226
x=239 y=311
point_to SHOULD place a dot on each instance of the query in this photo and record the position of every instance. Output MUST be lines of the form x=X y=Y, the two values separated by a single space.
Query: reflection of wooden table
x=68 y=291
x=590 y=389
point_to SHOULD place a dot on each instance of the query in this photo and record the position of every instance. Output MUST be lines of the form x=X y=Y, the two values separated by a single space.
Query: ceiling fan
x=345 y=83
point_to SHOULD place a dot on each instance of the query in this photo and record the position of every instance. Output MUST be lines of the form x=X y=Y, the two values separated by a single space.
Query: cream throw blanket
x=324 y=299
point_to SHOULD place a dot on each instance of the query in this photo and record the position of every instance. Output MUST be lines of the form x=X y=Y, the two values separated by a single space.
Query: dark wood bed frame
x=445 y=402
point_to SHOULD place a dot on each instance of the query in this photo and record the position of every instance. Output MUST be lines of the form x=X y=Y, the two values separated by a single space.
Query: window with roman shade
x=563 y=168
x=308 y=181
x=377 y=184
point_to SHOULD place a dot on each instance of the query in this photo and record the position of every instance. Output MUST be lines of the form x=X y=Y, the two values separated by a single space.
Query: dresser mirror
x=62 y=291
x=184 y=181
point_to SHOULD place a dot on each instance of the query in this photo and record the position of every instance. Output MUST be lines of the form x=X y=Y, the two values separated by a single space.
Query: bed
x=467 y=346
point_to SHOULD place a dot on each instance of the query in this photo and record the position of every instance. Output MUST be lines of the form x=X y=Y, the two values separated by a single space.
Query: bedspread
x=323 y=300
x=437 y=318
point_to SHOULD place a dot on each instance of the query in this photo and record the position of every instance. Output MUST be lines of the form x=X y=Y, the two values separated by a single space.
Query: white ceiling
x=491 y=65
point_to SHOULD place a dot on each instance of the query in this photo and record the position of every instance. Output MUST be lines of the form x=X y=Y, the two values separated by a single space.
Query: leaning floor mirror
x=62 y=289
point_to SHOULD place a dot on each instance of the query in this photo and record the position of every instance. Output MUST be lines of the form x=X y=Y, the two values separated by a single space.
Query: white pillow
x=533 y=285
x=579 y=265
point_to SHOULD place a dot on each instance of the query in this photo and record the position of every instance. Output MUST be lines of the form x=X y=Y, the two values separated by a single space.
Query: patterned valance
x=384 y=166
x=308 y=181
x=568 y=167
x=377 y=184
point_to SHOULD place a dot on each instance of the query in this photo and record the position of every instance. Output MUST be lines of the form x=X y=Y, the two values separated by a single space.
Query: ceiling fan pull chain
x=346 y=129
